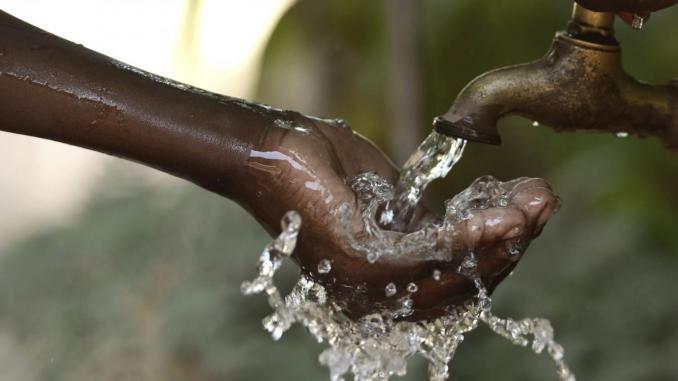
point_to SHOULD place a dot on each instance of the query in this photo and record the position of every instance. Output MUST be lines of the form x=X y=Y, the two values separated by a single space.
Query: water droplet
x=412 y=288
x=324 y=266
x=341 y=123
x=503 y=201
x=637 y=22
x=407 y=304
x=469 y=262
x=386 y=217
x=291 y=221
x=390 y=289
x=372 y=257
x=275 y=326
x=535 y=124
x=303 y=130
x=622 y=134
x=436 y=274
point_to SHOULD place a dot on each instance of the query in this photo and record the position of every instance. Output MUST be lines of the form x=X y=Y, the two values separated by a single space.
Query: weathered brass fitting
x=579 y=85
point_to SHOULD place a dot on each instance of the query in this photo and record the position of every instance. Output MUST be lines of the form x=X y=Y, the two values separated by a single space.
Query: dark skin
x=308 y=173
x=269 y=161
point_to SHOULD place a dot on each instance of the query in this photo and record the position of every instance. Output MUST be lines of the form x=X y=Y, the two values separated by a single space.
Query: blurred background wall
x=112 y=271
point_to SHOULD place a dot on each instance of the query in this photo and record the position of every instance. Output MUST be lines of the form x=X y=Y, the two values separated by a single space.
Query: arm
x=57 y=90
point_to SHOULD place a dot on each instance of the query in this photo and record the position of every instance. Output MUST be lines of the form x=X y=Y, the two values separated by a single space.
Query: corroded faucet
x=579 y=85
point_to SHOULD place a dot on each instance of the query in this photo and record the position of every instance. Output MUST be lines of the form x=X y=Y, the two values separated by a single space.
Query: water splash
x=378 y=346
x=324 y=266
x=390 y=289
x=436 y=274
x=518 y=332
x=269 y=262
x=375 y=347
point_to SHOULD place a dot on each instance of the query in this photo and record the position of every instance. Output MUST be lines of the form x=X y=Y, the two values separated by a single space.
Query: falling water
x=378 y=346
x=433 y=159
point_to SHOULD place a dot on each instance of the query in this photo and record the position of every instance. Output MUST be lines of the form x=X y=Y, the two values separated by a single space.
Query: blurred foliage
x=145 y=284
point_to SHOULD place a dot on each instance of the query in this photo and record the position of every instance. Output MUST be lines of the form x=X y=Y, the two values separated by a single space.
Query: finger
x=502 y=224
x=537 y=201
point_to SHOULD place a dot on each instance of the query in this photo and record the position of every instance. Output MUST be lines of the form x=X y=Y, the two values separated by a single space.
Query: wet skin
x=308 y=169
x=57 y=90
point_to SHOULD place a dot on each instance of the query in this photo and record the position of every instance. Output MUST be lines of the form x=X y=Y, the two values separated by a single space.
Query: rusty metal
x=579 y=85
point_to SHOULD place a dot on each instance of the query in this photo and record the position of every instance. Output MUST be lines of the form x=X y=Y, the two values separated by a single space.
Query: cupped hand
x=307 y=164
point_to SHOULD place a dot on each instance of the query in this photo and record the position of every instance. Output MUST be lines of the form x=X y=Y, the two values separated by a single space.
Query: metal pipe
x=579 y=85
x=600 y=20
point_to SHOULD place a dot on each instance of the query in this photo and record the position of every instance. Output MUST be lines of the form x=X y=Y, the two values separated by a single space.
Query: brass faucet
x=579 y=85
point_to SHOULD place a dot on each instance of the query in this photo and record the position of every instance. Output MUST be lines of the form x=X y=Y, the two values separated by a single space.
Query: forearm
x=54 y=89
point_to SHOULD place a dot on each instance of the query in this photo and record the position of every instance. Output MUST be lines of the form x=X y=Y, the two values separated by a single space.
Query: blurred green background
x=144 y=284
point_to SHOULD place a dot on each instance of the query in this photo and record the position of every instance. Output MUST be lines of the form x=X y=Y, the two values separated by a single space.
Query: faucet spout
x=579 y=85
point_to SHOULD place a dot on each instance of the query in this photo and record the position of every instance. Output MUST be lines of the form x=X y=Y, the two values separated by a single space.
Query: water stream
x=378 y=346
x=434 y=159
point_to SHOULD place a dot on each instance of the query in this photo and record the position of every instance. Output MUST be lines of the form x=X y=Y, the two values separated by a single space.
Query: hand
x=626 y=9
x=306 y=164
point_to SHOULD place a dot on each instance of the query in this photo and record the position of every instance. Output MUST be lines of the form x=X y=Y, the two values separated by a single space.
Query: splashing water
x=518 y=332
x=372 y=348
x=378 y=346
